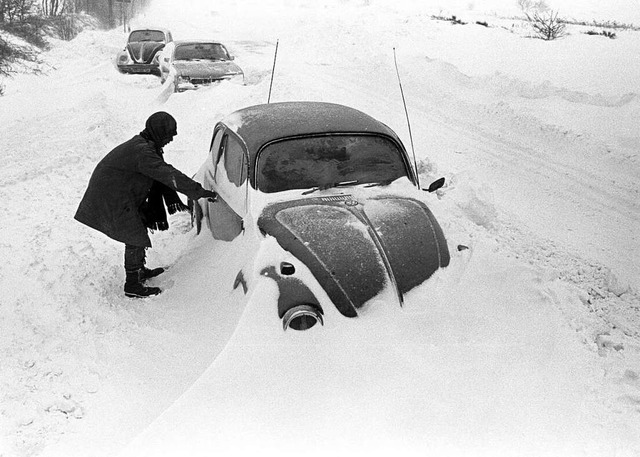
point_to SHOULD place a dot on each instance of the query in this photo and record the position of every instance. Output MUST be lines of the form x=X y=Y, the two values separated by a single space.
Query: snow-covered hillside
x=528 y=345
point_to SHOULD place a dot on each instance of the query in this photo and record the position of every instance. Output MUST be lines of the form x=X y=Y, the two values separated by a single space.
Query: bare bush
x=31 y=29
x=10 y=54
x=547 y=25
x=67 y=27
x=606 y=33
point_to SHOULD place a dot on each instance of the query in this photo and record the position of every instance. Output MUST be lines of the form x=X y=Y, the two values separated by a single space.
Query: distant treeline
x=110 y=12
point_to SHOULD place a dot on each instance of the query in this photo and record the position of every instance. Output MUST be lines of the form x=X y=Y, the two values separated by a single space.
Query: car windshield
x=204 y=51
x=146 y=35
x=324 y=161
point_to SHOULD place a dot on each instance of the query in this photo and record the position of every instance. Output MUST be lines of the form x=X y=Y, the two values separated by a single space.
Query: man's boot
x=147 y=273
x=133 y=287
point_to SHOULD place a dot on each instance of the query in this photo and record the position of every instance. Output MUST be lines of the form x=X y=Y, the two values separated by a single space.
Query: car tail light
x=302 y=317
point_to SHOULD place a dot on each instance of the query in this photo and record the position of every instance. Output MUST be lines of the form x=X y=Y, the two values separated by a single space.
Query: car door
x=227 y=175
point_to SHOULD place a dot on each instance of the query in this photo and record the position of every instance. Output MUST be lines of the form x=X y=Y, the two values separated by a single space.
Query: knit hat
x=160 y=128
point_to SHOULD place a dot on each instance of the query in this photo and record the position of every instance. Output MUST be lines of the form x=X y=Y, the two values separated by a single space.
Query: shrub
x=547 y=25
x=66 y=27
x=31 y=30
x=10 y=53
x=602 y=33
x=452 y=19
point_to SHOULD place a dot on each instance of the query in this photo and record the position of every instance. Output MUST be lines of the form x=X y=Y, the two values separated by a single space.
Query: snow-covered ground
x=528 y=345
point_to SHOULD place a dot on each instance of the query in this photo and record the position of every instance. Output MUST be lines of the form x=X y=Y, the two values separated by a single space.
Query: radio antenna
x=413 y=151
x=273 y=70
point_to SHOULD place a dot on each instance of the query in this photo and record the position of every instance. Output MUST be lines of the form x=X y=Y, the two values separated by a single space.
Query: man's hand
x=210 y=195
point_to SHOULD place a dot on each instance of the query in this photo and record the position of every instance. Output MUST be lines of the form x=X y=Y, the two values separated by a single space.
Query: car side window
x=214 y=156
x=216 y=147
x=231 y=173
x=234 y=161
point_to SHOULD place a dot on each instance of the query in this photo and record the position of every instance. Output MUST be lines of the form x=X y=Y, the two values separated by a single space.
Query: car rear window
x=301 y=163
x=205 y=51
x=146 y=35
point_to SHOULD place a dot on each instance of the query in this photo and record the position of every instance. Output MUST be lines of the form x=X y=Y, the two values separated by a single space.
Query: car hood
x=354 y=248
x=143 y=51
x=206 y=69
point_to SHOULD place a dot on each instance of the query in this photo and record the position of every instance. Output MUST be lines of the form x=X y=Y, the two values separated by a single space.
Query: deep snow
x=528 y=345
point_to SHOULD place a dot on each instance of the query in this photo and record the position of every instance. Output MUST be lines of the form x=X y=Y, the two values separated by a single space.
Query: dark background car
x=141 y=53
x=335 y=188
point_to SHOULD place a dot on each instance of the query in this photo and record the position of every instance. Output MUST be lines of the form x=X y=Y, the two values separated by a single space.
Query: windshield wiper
x=384 y=182
x=330 y=186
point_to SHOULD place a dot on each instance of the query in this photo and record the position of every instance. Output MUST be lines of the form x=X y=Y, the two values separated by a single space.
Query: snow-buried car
x=191 y=64
x=142 y=51
x=332 y=186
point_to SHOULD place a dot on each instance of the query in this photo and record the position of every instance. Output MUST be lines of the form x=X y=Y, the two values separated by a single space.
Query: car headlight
x=183 y=79
x=238 y=78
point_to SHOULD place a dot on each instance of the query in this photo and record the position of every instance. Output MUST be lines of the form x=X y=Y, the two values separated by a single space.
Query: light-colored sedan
x=191 y=64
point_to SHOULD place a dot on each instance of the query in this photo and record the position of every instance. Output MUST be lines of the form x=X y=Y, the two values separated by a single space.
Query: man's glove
x=210 y=195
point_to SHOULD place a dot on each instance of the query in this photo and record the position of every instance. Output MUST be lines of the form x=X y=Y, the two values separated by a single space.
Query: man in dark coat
x=126 y=193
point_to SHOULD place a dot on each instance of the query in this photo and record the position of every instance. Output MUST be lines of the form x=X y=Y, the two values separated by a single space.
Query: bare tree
x=52 y=7
x=529 y=6
x=547 y=26
x=23 y=8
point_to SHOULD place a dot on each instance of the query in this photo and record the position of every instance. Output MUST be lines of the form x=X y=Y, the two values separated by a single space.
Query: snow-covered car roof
x=137 y=30
x=140 y=29
x=260 y=124
x=179 y=42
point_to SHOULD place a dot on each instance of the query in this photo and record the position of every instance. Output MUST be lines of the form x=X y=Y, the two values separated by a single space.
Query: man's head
x=161 y=127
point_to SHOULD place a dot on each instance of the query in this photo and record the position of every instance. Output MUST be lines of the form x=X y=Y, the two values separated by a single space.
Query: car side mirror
x=166 y=59
x=435 y=185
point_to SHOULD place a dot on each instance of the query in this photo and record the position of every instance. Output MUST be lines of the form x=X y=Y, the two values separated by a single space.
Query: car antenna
x=275 y=56
x=413 y=151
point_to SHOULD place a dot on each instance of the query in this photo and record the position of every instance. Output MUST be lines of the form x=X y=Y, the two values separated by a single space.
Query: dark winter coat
x=120 y=185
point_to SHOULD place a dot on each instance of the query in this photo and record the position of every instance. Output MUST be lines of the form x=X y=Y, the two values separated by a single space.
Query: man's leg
x=134 y=257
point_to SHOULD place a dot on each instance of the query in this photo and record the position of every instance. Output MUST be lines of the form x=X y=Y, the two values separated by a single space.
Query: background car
x=190 y=64
x=141 y=53
x=331 y=185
